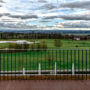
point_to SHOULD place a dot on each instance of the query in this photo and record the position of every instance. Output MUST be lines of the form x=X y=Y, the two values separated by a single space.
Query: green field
x=66 y=44
x=64 y=58
x=30 y=60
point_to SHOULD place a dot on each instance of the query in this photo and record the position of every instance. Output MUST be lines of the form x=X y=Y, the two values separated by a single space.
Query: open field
x=66 y=44
x=31 y=59
x=63 y=58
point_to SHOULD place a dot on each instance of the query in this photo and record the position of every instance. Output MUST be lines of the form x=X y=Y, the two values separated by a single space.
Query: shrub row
x=33 y=46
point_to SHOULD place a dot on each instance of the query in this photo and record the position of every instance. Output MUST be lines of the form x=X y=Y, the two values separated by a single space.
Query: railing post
x=55 y=68
x=39 y=69
x=23 y=71
x=73 y=71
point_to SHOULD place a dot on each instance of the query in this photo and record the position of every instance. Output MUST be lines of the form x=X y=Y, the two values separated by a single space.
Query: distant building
x=77 y=38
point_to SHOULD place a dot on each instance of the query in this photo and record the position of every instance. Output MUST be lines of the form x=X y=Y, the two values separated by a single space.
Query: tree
x=26 y=46
x=15 y=46
x=18 y=46
x=44 y=45
x=11 y=45
x=57 y=43
x=32 y=46
x=38 y=45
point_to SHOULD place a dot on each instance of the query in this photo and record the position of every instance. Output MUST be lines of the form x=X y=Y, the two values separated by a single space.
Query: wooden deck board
x=45 y=85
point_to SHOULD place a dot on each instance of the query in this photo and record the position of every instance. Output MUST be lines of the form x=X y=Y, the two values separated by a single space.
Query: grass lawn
x=64 y=59
x=30 y=60
x=66 y=44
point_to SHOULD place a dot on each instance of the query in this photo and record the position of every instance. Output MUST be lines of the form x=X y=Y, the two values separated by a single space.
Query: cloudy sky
x=43 y=14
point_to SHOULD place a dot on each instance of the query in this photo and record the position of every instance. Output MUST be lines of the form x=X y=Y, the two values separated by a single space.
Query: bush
x=44 y=45
x=11 y=45
x=18 y=46
x=32 y=46
x=76 y=46
x=15 y=46
x=38 y=46
x=25 y=46
x=41 y=46
x=57 y=43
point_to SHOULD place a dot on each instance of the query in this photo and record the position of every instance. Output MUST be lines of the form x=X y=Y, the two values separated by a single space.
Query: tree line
x=5 y=35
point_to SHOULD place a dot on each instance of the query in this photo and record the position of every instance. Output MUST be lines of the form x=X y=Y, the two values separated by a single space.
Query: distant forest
x=12 y=35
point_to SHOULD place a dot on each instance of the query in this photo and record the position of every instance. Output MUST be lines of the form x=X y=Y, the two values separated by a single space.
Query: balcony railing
x=44 y=64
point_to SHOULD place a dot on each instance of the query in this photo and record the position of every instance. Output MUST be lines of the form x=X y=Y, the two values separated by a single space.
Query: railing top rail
x=42 y=49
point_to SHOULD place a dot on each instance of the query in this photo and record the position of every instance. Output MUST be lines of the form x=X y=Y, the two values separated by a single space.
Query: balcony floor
x=45 y=85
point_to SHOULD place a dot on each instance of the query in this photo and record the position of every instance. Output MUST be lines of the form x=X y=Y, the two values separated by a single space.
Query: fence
x=44 y=64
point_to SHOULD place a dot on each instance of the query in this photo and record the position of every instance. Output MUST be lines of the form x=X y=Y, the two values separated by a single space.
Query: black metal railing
x=44 y=64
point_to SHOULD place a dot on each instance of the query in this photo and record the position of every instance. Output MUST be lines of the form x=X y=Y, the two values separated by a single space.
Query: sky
x=44 y=14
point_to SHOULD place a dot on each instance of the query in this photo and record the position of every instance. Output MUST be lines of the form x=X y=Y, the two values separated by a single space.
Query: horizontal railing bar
x=42 y=49
x=47 y=70
x=41 y=74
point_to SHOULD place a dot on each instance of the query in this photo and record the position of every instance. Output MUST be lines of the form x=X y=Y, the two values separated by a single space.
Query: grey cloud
x=48 y=6
x=1 y=15
x=11 y=25
x=18 y=25
x=4 y=14
x=82 y=16
x=8 y=20
x=23 y=16
x=42 y=1
x=76 y=17
x=5 y=19
x=44 y=21
x=50 y=17
x=19 y=16
x=1 y=1
x=75 y=24
x=77 y=4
